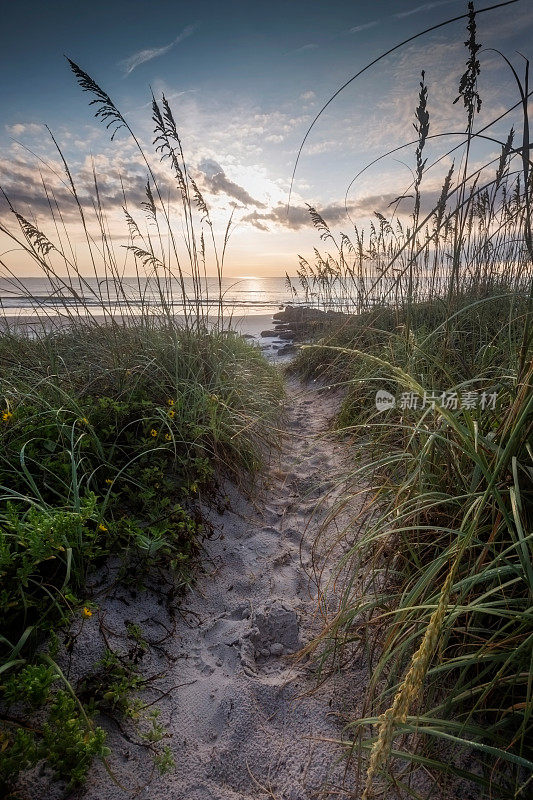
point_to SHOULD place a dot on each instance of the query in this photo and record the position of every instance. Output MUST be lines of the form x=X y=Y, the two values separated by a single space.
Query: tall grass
x=120 y=410
x=443 y=610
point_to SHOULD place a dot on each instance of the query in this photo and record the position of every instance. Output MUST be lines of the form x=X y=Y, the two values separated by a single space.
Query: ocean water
x=243 y=296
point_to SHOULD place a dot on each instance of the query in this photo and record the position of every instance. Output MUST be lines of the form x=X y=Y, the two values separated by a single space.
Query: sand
x=251 y=324
x=242 y=717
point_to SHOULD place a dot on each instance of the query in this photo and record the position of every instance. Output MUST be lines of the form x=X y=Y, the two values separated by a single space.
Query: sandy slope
x=243 y=723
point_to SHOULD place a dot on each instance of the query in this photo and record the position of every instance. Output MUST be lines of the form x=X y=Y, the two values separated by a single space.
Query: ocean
x=244 y=296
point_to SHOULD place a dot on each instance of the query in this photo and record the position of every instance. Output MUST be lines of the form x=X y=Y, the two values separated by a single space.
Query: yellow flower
x=170 y=402
x=168 y=437
x=102 y=527
x=194 y=487
x=84 y=420
x=109 y=480
x=87 y=612
x=153 y=432
x=171 y=413
x=6 y=416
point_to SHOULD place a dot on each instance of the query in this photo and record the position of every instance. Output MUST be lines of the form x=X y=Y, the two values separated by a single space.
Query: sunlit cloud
x=24 y=128
x=217 y=182
x=142 y=56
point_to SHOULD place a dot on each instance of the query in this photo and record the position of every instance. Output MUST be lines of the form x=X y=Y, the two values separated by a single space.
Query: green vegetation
x=438 y=585
x=118 y=414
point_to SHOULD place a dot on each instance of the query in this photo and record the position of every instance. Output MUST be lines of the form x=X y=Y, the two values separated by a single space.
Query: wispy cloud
x=303 y=48
x=170 y=96
x=424 y=7
x=133 y=61
x=364 y=27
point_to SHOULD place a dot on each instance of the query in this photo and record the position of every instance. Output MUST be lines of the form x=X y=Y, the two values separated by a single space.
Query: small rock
x=276 y=649
x=286 y=349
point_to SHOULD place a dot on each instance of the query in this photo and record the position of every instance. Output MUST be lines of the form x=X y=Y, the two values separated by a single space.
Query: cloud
x=386 y=203
x=298 y=216
x=322 y=147
x=303 y=48
x=337 y=214
x=364 y=27
x=423 y=7
x=170 y=96
x=19 y=128
x=217 y=182
x=23 y=180
x=133 y=61
x=306 y=96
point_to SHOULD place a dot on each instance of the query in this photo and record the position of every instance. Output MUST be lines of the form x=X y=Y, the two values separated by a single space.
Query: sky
x=244 y=80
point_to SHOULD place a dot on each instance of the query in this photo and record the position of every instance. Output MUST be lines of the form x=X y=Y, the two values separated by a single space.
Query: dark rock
x=286 y=349
x=305 y=322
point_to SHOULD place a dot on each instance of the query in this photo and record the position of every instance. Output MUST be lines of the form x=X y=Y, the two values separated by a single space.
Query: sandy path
x=244 y=725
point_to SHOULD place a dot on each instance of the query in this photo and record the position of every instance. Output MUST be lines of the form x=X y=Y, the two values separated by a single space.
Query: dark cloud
x=386 y=203
x=24 y=187
x=217 y=182
x=337 y=214
x=297 y=216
